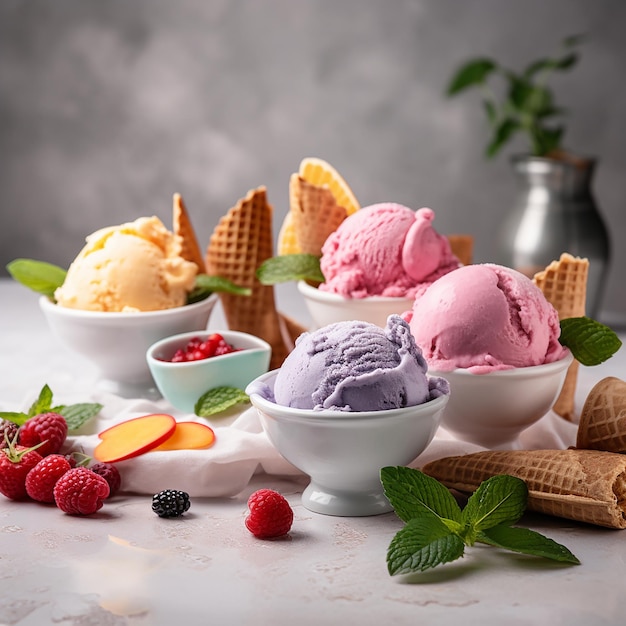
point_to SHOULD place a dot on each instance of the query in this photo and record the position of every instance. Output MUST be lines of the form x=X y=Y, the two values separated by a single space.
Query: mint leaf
x=526 y=541
x=423 y=543
x=436 y=530
x=498 y=500
x=43 y=402
x=413 y=494
x=14 y=416
x=206 y=285
x=78 y=414
x=590 y=342
x=219 y=399
x=288 y=267
x=42 y=277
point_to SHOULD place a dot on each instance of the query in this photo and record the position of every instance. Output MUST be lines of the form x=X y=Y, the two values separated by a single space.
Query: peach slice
x=134 y=437
x=189 y=436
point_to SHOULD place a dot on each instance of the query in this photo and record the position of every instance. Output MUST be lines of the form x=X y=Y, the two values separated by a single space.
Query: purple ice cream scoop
x=355 y=366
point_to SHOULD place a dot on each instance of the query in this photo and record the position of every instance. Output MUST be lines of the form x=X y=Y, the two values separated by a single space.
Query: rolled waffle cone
x=184 y=229
x=462 y=247
x=241 y=241
x=564 y=284
x=583 y=485
x=315 y=214
x=602 y=423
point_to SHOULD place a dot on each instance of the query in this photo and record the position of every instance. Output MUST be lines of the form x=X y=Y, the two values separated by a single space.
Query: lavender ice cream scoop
x=355 y=366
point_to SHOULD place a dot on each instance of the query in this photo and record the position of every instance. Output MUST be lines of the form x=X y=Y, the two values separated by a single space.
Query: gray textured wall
x=108 y=107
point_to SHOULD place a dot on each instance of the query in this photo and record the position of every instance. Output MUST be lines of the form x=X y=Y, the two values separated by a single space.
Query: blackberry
x=170 y=503
x=8 y=430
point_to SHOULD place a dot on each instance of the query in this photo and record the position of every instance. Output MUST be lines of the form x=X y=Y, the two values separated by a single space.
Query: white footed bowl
x=343 y=452
x=491 y=410
x=327 y=308
x=116 y=343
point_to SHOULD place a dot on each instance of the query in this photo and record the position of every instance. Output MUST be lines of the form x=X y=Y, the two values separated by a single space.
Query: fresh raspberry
x=40 y=481
x=80 y=491
x=48 y=427
x=8 y=430
x=270 y=514
x=111 y=474
x=15 y=463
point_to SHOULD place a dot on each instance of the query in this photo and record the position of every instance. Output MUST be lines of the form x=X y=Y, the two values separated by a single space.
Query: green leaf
x=573 y=40
x=42 y=277
x=413 y=494
x=206 y=285
x=14 y=416
x=504 y=131
x=423 y=543
x=498 y=500
x=43 y=402
x=219 y=399
x=288 y=267
x=590 y=341
x=471 y=74
x=526 y=541
x=78 y=414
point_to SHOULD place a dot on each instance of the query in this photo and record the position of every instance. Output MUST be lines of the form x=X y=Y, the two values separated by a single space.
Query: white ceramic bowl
x=327 y=308
x=116 y=343
x=182 y=384
x=491 y=410
x=343 y=452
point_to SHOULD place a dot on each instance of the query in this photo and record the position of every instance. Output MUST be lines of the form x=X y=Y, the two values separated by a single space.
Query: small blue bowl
x=182 y=384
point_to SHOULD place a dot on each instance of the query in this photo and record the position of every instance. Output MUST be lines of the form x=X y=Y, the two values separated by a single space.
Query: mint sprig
x=290 y=267
x=219 y=399
x=590 y=342
x=41 y=277
x=75 y=414
x=206 y=285
x=437 y=530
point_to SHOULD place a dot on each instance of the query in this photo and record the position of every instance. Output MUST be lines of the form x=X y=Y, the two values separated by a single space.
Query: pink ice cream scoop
x=385 y=250
x=484 y=318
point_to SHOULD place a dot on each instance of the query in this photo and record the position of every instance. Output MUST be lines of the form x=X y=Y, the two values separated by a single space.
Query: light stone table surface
x=125 y=565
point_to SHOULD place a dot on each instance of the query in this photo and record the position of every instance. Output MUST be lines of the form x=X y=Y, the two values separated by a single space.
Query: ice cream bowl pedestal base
x=491 y=410
x=327 y=308
x=116 y=343
x=343 y=452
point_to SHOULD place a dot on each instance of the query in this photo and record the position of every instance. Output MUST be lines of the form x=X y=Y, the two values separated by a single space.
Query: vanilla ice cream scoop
x=131 y=267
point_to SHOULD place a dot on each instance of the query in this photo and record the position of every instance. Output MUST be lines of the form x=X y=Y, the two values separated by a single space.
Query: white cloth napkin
x=242 y=449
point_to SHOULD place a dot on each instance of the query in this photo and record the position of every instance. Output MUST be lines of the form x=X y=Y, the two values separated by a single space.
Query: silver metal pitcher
x=555 y=212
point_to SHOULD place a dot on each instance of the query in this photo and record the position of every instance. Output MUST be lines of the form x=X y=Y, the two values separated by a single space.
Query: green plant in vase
x=527 y=105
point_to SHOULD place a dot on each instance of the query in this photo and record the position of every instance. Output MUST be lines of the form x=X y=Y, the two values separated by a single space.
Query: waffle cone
x=314 y=212
x=462 y=247
x=240 y=242
x=602 y=423
x=564 y=284
x=583 y=485
x=183 y=228
x=287 y=243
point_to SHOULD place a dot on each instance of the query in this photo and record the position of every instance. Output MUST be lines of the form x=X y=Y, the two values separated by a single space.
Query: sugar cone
x=314 y=212
x=564 y=284
x=602 y=423
x=241 y=241
x=583 y=485
x=462 y=247
x=184 y=229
